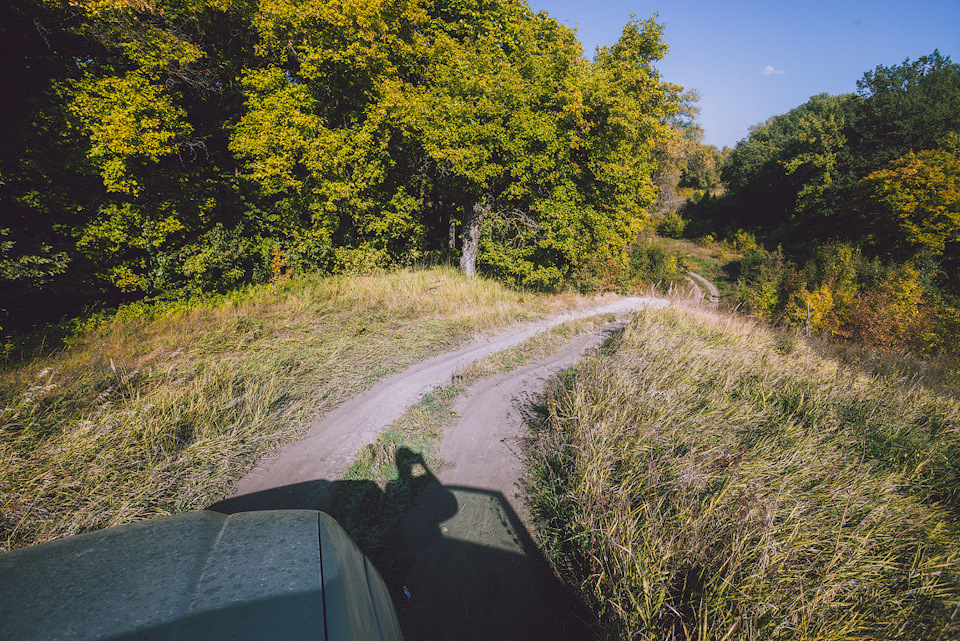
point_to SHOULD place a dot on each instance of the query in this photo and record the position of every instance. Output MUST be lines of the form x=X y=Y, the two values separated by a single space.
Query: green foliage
x=652 y=263
x=914 y=203
x=840 y=292
x=34 y=268
x=797 y=176
x=181 y=146
x=224 y=259
x=644 y=265
x=762 y=281
x=671 y=225
x=905 y=107
x=128 y=119
x=876 y=172
x=783 y=175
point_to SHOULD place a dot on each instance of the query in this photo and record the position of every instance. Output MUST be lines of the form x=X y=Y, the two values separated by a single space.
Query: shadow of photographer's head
x=411 y=467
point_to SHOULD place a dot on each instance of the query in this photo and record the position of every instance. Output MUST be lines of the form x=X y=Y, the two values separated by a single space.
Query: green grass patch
x=709 y=478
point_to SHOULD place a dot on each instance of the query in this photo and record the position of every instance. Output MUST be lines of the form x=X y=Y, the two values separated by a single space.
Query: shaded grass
x=709 y=478
x=160 y=409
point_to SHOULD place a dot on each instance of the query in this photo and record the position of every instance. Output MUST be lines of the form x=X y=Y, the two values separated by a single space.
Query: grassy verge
x=369 y=512
x=160 y=409
x=708 y=478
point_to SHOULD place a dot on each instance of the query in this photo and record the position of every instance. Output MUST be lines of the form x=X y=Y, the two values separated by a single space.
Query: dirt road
x=711 y=288
x=331 y=444
x=470 y=569
x=460 y=563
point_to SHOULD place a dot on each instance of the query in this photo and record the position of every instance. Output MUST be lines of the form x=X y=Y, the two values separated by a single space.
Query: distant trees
x=783 y=174
x=160 y=147
x=796 y=177
x=863 y=191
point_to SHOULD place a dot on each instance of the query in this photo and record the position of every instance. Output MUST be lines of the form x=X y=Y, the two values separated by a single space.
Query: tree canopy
x=870 y=167
x=163 y=147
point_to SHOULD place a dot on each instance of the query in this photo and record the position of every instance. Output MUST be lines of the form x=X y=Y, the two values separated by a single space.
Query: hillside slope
x=707 y=477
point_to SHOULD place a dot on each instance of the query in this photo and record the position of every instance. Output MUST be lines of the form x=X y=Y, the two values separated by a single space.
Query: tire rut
x=469 y=568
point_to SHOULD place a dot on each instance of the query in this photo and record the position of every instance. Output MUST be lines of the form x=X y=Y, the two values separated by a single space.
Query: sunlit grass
x=709 y=478
x=160 y=409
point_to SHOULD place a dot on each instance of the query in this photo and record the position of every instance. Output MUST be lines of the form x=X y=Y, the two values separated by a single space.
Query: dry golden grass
x=709 y=478
x=162 y=408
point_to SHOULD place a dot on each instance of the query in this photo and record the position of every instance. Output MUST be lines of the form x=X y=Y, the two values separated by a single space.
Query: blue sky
x=753 y=60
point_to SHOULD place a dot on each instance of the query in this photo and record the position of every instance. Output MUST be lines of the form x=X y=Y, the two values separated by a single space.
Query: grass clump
x=160 y=409
x=708 y=478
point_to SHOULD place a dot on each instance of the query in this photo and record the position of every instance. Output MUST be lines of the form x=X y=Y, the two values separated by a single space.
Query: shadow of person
x=468 y=569
x=458 y=561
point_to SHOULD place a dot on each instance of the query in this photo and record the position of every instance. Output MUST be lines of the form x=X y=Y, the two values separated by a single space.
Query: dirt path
x=331 y=444
x=470 y=569
x=460 y=562
x=711 y=288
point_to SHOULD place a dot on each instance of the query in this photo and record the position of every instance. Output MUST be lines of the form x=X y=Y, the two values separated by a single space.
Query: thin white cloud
x=770 y=70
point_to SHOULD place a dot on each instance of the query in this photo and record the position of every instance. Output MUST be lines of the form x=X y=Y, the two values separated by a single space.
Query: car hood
x=292 y=574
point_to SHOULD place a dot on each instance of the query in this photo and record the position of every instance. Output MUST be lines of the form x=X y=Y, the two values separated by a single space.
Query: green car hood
x=291 y=574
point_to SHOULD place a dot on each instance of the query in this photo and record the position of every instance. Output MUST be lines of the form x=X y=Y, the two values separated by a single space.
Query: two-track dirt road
x=463 y=564
x=331 y=444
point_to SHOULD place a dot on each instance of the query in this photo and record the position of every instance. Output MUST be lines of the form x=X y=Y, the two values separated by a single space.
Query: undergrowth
x=158 y=410
x=709 y=478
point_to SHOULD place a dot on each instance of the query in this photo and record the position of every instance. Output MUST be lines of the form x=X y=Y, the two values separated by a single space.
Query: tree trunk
x=471 y=236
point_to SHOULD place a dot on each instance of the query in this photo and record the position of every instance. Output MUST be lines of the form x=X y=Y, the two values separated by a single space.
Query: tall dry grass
x=160 y=409
x=709 y=478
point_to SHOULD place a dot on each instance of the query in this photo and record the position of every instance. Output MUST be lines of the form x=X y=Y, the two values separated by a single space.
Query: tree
x=159 y=147
x=677 y=155
x=116 y=157
x=914 y=203
x=322 y=138
x=489 y=118
x=902 y=108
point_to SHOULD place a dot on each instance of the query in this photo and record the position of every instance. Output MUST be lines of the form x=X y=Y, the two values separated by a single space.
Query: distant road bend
x=711 y=288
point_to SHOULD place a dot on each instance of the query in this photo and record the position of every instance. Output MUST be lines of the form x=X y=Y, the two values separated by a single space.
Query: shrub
x=222 y=260
x=764 y=279
x=671 y=225
x=360 y=260
x=897 y=314
x=651 y=263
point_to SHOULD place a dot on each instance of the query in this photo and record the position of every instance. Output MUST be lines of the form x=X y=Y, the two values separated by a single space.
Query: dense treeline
x=163 y=147
x=862 y=194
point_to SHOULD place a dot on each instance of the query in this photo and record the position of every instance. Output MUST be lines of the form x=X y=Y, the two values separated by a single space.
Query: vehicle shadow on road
x=458 y=561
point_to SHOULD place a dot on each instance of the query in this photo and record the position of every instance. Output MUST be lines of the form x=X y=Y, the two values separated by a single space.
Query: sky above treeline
x=752 y=60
